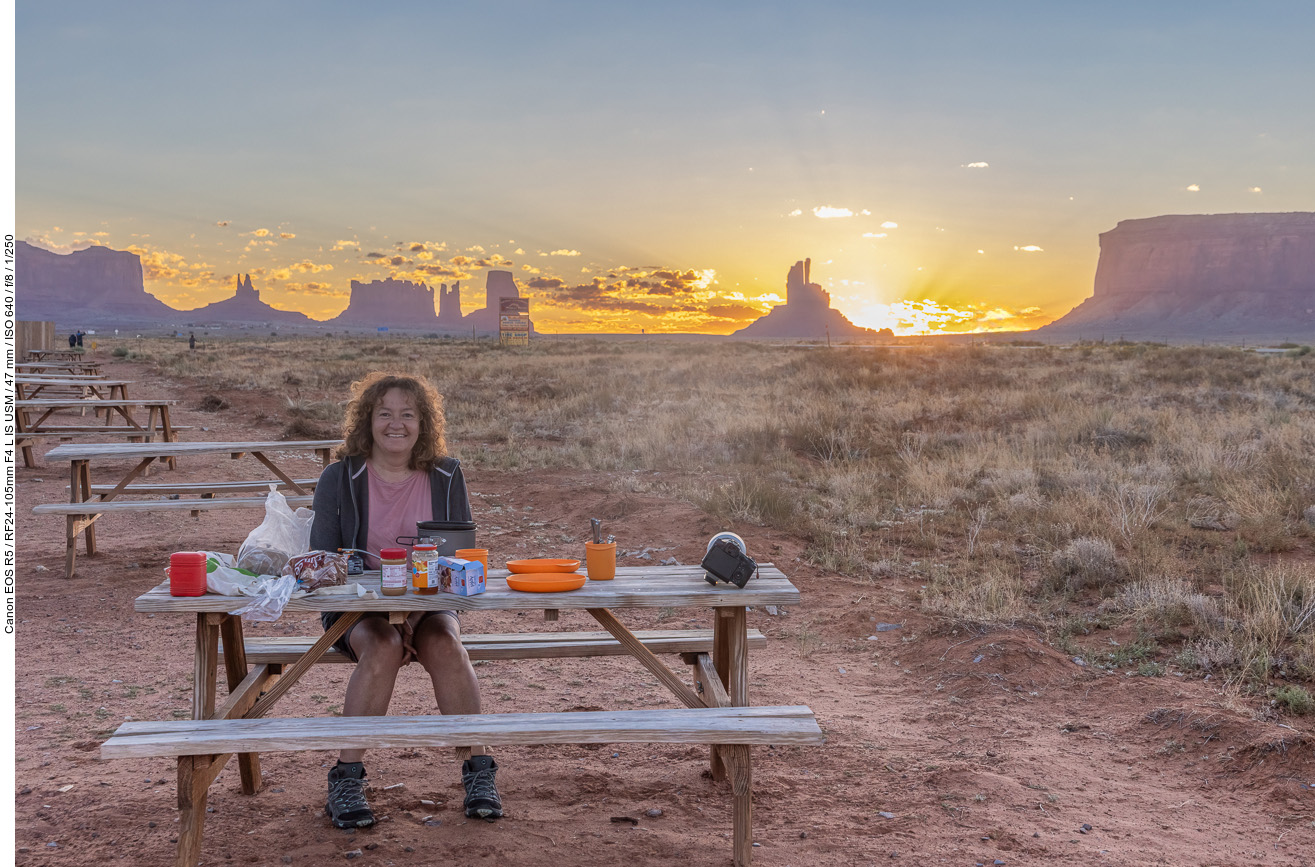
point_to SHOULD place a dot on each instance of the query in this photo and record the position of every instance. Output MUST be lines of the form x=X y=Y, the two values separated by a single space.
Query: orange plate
x=541 y=566
x=545 y=582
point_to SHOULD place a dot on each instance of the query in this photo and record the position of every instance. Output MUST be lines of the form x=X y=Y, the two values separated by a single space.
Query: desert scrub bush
x=119 y=352
x=1083 y=563
x=757 y=499
x=992 y=595
x=1293 y=699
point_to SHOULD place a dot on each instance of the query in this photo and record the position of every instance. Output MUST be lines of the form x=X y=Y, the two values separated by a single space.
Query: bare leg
x=439 y=649
x=378 y=647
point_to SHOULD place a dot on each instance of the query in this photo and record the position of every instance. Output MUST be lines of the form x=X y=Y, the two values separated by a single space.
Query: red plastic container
x=187 y=573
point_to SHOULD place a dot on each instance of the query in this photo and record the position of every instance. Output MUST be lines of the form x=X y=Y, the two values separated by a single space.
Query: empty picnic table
x=65 y=354
x=32 y=427
x=29 y=386
x=715 y=710
x=82 y=511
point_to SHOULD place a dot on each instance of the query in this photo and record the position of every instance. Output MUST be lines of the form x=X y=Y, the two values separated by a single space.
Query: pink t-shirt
x=394 y=509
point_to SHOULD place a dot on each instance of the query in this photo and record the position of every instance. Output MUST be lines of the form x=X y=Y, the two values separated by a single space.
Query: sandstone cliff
x=394 y=304
x=497 y=285
x=1240 y=276
x=85 y=288
x=806 y=314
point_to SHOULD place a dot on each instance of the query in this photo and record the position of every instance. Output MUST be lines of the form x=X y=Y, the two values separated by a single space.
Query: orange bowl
x=545 y=582
x=545 y=565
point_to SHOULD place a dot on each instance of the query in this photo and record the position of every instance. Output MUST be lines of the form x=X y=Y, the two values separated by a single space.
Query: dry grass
x=1158 y=481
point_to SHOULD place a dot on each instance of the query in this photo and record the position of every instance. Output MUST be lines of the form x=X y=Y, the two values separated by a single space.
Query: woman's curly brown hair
x=368 y=393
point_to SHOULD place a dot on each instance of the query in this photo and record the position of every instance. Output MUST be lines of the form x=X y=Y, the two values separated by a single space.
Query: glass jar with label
x=392 y=566
x=424 y=571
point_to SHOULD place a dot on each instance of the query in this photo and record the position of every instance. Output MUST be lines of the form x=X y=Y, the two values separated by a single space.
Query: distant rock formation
x=245 y=307
x=85 y=288
x=389 y=303
x=1242 y=276
x=485 y=321
x=449 y=306
x=807 y=313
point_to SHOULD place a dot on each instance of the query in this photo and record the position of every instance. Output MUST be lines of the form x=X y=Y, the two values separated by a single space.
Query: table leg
x=206 y=666
x=730 y=648
x=235 y=667
x=84 y=479
x=307 y=659
x=193 y=782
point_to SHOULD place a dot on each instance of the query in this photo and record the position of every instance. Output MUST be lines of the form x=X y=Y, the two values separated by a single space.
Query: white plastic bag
x=223 y=577
x=282 y=535
x=268 y=604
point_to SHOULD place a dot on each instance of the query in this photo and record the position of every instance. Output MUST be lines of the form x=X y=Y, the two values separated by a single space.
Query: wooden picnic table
x=30 y=428
x=65 y=354
x=29 y=386
x=82 y=512
x=719 y=669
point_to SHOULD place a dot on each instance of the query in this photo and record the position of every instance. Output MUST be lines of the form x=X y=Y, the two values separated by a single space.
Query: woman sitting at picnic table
x=392 y=471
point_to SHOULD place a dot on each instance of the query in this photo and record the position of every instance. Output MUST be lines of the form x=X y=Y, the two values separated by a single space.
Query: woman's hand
x=407 y=629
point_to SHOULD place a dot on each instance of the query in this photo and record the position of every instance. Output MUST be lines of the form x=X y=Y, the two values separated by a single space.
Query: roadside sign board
x=514 y=321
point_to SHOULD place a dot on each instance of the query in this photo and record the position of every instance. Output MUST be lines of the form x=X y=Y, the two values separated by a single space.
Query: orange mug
x=480 y=554
x=600 y=560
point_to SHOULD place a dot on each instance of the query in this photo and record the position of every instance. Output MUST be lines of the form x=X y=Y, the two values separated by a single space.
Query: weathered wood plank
x=163 y=488
x=95 y=507
x=634 y=587
x=793 y=725
x=518 y=645
x=94 y=451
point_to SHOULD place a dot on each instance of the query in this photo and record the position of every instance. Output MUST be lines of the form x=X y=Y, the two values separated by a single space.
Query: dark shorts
x=328 y=618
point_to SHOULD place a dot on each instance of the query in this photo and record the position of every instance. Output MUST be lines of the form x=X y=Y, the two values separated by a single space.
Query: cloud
x=286 y=235
x=222 y=222
x=564 y=253
x=1030 y=248
x=323 y=289
x=826 y=212
x=172 y=268
x=890 y=224
x=45 y=243
x=977 y=165
x=1254 y=190
x=308 y=267
x=259 y=233
x=874 y=234
x=343 y=245
x=1193 y=188
x=375 y=255
x=736 y=312
x=795 y=213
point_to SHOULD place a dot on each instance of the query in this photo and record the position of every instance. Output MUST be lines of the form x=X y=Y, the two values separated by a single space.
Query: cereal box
x=461 y=577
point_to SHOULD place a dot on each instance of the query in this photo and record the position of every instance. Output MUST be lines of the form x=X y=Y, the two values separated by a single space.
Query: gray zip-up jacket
x=342 y=505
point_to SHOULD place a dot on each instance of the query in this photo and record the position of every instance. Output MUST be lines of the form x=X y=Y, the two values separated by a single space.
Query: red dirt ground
x=943 y=746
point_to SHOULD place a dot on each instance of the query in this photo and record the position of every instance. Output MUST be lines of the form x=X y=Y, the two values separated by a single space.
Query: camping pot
x=448 y=535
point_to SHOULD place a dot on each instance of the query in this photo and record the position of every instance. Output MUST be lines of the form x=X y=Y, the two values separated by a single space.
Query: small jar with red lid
x=395 y=571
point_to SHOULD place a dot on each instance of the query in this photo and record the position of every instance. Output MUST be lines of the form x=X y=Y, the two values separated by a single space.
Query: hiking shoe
x=477 y=775
x=347 y=806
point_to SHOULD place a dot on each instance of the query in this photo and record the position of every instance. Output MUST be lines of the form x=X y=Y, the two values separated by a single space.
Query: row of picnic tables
x=46 y=392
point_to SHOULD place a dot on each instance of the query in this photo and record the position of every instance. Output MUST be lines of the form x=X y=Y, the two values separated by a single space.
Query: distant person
x=79 y=340
x=191 y=341
x=393 y=470
x=72 y=339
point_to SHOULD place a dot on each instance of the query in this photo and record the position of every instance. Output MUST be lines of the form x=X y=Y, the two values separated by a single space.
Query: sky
x=947 y=166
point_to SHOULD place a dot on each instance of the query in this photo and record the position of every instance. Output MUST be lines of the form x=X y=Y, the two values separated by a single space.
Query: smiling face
x=395 y=427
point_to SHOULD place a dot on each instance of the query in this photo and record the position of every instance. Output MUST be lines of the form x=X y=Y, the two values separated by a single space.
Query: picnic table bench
x=86 y=505
x=30 y=428
x=69 y=367
x=715 y=710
